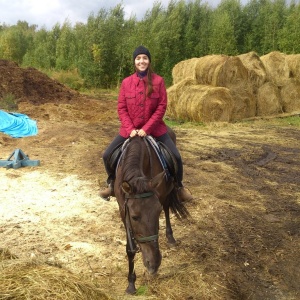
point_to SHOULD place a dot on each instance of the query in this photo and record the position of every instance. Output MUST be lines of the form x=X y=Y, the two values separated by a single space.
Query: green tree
x=66 y=48
x=237 y=20
x=289 y=35
x=14 y=43
x=222 y=39
x=197 y=29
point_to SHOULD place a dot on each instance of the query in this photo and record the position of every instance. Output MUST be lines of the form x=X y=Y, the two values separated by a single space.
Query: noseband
x=130 y=234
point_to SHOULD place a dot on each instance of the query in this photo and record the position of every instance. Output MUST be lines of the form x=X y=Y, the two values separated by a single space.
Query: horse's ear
x=156 y=181
x=126 y=188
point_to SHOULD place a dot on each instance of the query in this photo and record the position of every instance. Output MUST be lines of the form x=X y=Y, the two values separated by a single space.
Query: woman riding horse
x=142 y=103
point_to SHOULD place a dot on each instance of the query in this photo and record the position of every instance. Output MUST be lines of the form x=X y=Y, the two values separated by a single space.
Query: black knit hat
x=141 y=50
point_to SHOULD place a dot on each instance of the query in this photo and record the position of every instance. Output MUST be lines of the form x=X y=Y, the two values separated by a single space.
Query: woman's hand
x=141 y=133
x=134 y=132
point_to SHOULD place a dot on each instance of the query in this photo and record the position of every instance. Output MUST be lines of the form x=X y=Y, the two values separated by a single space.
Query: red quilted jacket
x=137 y=110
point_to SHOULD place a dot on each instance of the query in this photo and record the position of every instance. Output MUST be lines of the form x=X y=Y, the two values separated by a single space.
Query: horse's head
x=143 y=209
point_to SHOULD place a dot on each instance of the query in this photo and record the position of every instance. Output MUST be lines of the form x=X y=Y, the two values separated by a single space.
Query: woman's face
x=141 y=62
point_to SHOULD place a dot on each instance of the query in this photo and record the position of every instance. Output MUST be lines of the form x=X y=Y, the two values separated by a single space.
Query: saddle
x=165 y=156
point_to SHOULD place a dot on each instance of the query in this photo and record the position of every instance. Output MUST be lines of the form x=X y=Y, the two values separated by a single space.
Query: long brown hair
x=149 y=77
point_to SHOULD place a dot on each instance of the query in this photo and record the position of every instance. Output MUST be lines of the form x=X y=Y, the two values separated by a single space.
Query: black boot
x=184 y=195
x=108 y=192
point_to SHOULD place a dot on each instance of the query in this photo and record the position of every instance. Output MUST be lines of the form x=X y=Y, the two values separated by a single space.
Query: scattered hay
x=290 y=96
x=184 y=69
x=39 y=281
x=268 y=100
x=276 y=67
x=203 y=103
x=256 y=70
x=5 y=254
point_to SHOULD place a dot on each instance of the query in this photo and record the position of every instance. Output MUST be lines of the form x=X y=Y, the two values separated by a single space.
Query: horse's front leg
x=131 y=273
x=169 y=231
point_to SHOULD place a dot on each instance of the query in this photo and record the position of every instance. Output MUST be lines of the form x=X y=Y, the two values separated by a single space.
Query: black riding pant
x=165 y=138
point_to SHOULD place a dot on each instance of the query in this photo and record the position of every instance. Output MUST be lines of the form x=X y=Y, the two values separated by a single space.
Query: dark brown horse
x=142 y=192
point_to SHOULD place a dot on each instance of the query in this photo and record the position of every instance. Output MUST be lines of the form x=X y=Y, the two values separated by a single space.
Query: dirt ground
x=242 y=241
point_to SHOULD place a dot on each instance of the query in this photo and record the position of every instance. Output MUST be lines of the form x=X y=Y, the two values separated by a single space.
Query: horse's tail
x=177 y=206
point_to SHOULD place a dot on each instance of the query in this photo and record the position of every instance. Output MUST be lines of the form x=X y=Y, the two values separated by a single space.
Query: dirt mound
x=31 y=85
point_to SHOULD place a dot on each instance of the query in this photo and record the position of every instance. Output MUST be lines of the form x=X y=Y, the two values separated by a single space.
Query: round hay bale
x=293 y=61
x=244 y=105
x=233 y=74
x=184 y=69
x=276 y=66
x=256 y=70
x=207 y=69
x=203 y=103
x=38 y=281
x=174 y=93
x=268 y=100
x=290 y=96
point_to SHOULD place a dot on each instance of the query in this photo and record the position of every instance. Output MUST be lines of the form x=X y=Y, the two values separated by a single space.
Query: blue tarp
x=17 y=125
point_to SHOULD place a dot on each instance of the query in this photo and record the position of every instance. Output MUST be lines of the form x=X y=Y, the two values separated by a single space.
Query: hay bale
x=290 y=96
x=293 y=62
x=229 y=72
x=184 y=69
x=233 y=74
x=38 y=281
x=268 y=100
x=203 y=103
x=244 y=104
x=174 y=93
x=256 y=70
x=276 y=67
x=208 y=67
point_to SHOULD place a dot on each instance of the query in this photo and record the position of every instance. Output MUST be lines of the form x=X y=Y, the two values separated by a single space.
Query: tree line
x=101 y=49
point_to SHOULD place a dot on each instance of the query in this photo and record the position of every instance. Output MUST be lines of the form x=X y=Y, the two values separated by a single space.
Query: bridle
x=132 y=240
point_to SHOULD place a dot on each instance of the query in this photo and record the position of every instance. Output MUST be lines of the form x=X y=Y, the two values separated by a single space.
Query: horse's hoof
x=131 y=290
x=171 y=241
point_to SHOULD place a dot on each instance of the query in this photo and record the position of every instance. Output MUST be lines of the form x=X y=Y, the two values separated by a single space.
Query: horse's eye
x=135 y=218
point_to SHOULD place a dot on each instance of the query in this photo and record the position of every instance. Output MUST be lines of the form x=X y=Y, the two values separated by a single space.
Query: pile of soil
x=28 y=84
x=242 y=241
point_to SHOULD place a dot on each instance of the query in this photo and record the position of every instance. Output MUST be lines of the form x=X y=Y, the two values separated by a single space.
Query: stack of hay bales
x=230 y=88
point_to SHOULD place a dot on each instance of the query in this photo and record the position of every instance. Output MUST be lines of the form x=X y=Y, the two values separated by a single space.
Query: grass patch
x=70 y=78
x=9 y=102
x=173 y=123
x=282 y=121
x=102 y=94
x=289 y=121
x=142 y=290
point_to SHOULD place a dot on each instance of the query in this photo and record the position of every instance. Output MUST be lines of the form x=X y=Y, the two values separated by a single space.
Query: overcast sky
x=49 y=12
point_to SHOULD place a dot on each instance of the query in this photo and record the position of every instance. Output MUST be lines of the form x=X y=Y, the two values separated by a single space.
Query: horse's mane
x=132 y=165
